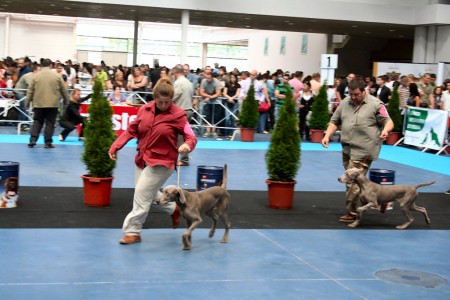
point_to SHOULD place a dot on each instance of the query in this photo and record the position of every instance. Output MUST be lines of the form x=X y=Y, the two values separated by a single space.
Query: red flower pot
x=97 y=191
x=281 y=194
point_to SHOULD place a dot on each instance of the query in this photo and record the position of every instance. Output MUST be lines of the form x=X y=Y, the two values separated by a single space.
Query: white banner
x=426 y=127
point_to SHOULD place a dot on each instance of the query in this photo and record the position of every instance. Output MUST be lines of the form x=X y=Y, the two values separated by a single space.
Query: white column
x=184 y=32
x=420 y=44
x=430 y=55
x=204 y=54
x=7 y=24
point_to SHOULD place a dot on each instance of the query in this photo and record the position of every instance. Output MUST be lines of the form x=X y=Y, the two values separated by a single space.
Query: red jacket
x=157 y=136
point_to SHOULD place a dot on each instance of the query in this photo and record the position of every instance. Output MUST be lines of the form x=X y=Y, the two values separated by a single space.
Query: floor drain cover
x=411 y=277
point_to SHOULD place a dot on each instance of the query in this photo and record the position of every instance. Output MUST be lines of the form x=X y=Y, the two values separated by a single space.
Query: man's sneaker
x=61 y=139
x=31 y=144
x=448 y=192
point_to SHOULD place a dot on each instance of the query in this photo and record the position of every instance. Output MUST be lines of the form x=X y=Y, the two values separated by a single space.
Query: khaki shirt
x=427 y=90
x=183 y=93
x=46 y=90
x=361 y=128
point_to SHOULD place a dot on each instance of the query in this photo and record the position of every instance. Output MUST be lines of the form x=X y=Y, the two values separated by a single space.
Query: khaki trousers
x=352 y=189
x=148 y=182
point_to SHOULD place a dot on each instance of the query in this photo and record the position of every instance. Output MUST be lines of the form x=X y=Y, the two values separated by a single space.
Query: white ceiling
x=207 y=18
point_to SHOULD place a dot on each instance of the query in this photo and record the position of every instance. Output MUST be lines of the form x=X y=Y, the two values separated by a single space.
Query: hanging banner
x=426 y=128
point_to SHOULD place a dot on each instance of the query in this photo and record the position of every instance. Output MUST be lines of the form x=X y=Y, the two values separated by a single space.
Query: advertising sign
x=426 y=128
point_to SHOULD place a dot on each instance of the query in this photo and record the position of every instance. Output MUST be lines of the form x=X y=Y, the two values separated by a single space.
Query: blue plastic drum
x=8 y=169
x=209 y=176
x=381 y=176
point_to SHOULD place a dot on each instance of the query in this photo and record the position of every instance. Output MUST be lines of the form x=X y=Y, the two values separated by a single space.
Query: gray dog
x=373 y=194
x=213 y=202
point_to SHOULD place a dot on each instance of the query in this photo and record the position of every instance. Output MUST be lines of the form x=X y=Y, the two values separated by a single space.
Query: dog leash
x=178 y=179
x=179 y=171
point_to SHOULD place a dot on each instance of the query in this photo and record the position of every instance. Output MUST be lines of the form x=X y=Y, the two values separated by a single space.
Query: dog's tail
x=224 y=180
x=424 y=184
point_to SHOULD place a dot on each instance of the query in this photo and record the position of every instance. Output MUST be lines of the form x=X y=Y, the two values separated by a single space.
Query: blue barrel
x=208 y=176
x=381 y=176
x=8 y=169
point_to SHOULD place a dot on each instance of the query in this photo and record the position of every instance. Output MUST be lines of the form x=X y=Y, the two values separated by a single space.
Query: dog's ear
x=182 y=198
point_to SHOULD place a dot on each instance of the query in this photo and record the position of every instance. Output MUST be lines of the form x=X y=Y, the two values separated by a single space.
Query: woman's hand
x=112 y=155
x=184 y=148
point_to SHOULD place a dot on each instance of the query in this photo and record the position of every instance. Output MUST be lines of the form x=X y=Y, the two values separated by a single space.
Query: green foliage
x=99 y=135
x=393 y=109
x=320 y=115
x=249 y=115
x=283 y=156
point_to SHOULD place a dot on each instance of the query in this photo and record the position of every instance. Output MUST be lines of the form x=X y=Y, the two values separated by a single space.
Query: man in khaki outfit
x=364 y=123
x=45 y=92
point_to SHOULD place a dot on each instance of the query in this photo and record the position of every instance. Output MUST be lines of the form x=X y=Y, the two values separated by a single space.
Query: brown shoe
x=347 y=219
x=130 y=239
x=176 y=217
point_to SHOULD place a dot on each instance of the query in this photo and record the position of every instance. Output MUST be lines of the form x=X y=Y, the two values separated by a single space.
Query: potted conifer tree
x=320 y=115
x=99 y=136
x=283 y=156
x=249 y=116
x=393 y=109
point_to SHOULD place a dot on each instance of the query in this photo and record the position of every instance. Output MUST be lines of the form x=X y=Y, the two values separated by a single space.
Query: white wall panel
x=40 y=39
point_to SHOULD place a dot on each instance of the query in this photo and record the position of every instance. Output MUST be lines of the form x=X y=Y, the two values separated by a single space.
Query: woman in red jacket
x=156 y=127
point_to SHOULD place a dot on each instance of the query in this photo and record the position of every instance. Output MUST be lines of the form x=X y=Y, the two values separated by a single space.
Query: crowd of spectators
x=228 y=87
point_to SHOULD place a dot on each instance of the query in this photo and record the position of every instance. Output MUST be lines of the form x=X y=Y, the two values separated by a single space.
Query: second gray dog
x=213 y=202
x=373 y=194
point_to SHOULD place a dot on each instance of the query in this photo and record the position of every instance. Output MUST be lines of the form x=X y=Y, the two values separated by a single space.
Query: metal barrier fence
x=12 y=100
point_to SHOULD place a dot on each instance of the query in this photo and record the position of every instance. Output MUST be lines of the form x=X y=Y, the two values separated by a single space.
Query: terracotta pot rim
x=90 y=176
x=270 y=181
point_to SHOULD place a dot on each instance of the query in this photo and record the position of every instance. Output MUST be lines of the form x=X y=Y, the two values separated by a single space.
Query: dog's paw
x=354 y=224
x=403 y=226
